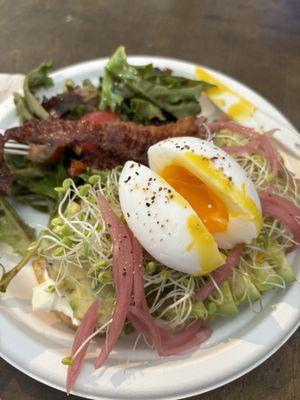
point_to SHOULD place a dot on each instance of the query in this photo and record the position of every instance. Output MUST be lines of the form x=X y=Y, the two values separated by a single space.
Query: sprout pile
x=78 y=252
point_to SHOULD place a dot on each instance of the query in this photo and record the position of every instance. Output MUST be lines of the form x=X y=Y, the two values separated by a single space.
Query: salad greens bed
x=76 y=245
x=146 y=93
x=141 y=94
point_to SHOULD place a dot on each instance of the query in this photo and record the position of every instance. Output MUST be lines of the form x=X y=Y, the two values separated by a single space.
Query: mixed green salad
x=76 y=245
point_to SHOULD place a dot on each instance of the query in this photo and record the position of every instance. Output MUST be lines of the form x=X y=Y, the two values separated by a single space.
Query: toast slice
x=39 y=267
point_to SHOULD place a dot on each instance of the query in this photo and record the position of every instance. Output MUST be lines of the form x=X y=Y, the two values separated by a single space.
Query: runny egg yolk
x=210 y=209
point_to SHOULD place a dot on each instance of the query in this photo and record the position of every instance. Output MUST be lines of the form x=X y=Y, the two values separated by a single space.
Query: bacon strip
x=221 y=274
x=86 y=328
x=285 y=211
x=101 y=145
x=107 y=143
x=122 y=275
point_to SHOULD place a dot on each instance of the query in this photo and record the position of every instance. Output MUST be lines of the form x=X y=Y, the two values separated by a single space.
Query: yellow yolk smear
x=222 y=186
x=210 y=209
x=203 y=243
x=234 y=105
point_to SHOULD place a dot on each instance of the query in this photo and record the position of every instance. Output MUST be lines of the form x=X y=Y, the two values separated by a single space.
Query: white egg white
x=160 y=219
x=222 y=175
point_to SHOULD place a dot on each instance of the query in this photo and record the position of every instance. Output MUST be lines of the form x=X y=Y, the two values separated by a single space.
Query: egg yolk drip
x=210 y=209
x=236 y=106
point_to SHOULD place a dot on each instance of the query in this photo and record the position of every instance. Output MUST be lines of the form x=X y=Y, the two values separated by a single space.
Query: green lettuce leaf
x=13 y=230
x=33 y=184
x=110 y=98
x=146 y=92
x=141 y=110
x=38 y=78
x=28 y=105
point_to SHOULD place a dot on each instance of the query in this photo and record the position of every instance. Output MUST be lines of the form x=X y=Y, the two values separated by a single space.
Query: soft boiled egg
x=213 y=184
x=164 y=222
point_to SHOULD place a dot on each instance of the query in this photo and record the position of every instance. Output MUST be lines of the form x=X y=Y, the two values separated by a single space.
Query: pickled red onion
x=283 y=210
x=258 y=143
x=122 y=275
x=85 y=329
x=165 y=341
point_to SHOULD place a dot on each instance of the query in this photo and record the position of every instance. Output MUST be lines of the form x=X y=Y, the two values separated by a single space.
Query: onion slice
x=221 y=274
x=177 y=343
x=259 y=143
x=165 y=341
x=122 y=275
x=85 y=329
x=283 y=210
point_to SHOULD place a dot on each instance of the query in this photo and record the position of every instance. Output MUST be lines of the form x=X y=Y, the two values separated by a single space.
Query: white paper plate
x=36 y=342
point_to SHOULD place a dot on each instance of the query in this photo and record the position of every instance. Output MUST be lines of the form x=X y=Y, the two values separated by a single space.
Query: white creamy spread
x=44 y=298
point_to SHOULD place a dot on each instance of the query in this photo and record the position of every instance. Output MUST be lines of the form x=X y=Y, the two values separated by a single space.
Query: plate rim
x=190 y=394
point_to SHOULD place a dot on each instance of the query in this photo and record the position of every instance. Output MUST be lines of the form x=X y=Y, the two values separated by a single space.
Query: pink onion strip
x=283 y=210
x=165 y=341
x=258 y=143
x=122 y=275
x=86 y=328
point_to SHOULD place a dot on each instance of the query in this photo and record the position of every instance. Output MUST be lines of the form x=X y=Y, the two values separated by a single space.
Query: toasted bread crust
x=39 y=266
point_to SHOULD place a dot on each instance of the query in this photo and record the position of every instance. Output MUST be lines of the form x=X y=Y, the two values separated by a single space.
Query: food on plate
x=231 y=103
x=159 y=222
x=167 y=226
x=214 y=184
x=113 y=140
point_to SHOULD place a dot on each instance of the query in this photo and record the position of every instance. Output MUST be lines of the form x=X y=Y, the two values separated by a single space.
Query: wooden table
x=257 y=42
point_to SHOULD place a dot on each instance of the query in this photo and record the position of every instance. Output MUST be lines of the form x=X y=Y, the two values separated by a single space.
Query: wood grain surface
x=257 y=42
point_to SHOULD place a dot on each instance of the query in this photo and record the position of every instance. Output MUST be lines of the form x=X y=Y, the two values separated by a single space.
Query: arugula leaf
x=152 y=93
x=142 y=110
x=34 y=184
x=28 y=105
x=13 y=230
x=38 y=78
x=110 y=98
x=21 y=107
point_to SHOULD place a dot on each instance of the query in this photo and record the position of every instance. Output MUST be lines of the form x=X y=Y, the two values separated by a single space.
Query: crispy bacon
x=101 y=145
x=112 y=141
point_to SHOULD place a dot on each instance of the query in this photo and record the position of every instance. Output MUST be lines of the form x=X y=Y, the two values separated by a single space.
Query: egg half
x=164 y=222
x=214 y=185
